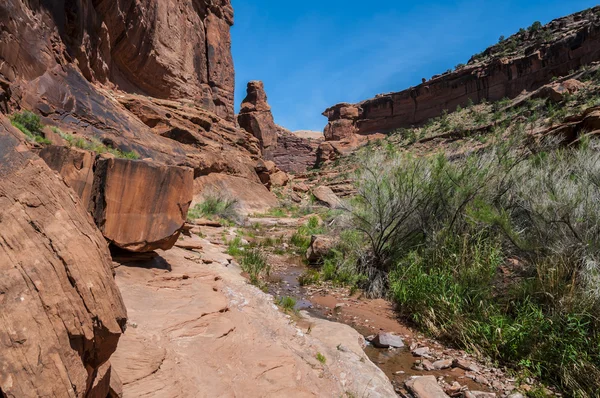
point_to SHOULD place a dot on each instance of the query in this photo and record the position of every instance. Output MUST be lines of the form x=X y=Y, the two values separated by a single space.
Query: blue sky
x=312 y=54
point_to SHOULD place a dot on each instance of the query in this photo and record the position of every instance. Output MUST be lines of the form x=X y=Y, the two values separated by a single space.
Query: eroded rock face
x=165 y=49
x=61 y=311
x=295 y=154
x=256 y=118
x=140 y=206
x=575 y=42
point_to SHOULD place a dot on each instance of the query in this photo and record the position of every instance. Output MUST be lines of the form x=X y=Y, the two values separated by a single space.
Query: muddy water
x=397 y=364
x=284 y=282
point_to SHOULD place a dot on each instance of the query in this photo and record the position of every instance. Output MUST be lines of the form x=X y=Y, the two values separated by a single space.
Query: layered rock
x=256 y=118
x=295 y=154
x=154 y=77
x=289 y=151
x=164 y=49
x=61 y=312
x=502 y=71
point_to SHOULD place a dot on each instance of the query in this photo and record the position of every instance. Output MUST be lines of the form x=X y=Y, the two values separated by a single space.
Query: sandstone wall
x=165 y=49
x=577 y=43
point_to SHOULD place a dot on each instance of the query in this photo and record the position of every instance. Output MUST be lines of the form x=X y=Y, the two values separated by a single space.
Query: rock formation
x=140 y=206
x=154 y=77
x=525 y=61
x=290 y=152
x=256 y=118
x=61 y=314
x=163 y=49
x=295 y=154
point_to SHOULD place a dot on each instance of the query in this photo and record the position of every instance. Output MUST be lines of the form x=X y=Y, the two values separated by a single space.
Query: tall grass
x=497 y=252
x=216 y=205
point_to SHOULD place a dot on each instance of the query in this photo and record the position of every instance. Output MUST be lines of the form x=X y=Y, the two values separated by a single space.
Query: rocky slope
x=525 y=61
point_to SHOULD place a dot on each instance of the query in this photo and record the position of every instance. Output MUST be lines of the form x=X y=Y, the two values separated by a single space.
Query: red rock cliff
x=164 y=49
x=525 y=61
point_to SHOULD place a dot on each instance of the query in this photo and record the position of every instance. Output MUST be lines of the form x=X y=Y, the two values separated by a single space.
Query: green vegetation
x=321 y=358
x=497 y=252
x=301 y=238
x=254 y=262
x=30 y=124
x=95 y=146
x=235 y=247
x=215 y=206
x=287 y=303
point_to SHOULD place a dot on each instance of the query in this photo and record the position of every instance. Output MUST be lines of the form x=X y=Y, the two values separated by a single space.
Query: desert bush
x=439 y=231
x=216 y=205
x=302 y=237
x=287 y=303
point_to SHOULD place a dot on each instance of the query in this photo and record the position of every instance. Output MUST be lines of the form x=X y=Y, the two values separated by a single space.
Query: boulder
x=387 y=340
x=279 y=179
x=465 y=365
x=320 y=247
x=325 y=195
x=556 y=92
x=442 y=364
x=140 y=206
x=300 y=187
x=421 y=352
x=62 y=313
x=425 y=387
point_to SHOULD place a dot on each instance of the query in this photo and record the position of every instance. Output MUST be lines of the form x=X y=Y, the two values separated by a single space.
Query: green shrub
x=235 y=247
x=438 y=232
x=321 y=358
x=254 y=262
x=302 y=237
x=287 y=303
x=28 y=120
x=215 y=205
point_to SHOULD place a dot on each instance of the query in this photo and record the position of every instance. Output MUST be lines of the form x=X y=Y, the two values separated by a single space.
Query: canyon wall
x=524 y=62
x=164 y=49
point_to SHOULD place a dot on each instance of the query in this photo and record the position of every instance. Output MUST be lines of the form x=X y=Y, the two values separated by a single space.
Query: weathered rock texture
x=295 y=154
x=290 y=152
x=150 y=76
x=203 y=331
x=164 y=49
x=61 y=314
x=141 y=206
x=561 y=46
x=76 y=166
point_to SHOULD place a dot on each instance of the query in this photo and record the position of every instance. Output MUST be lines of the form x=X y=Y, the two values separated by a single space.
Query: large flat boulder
x=61 y=313
x=141 y=206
